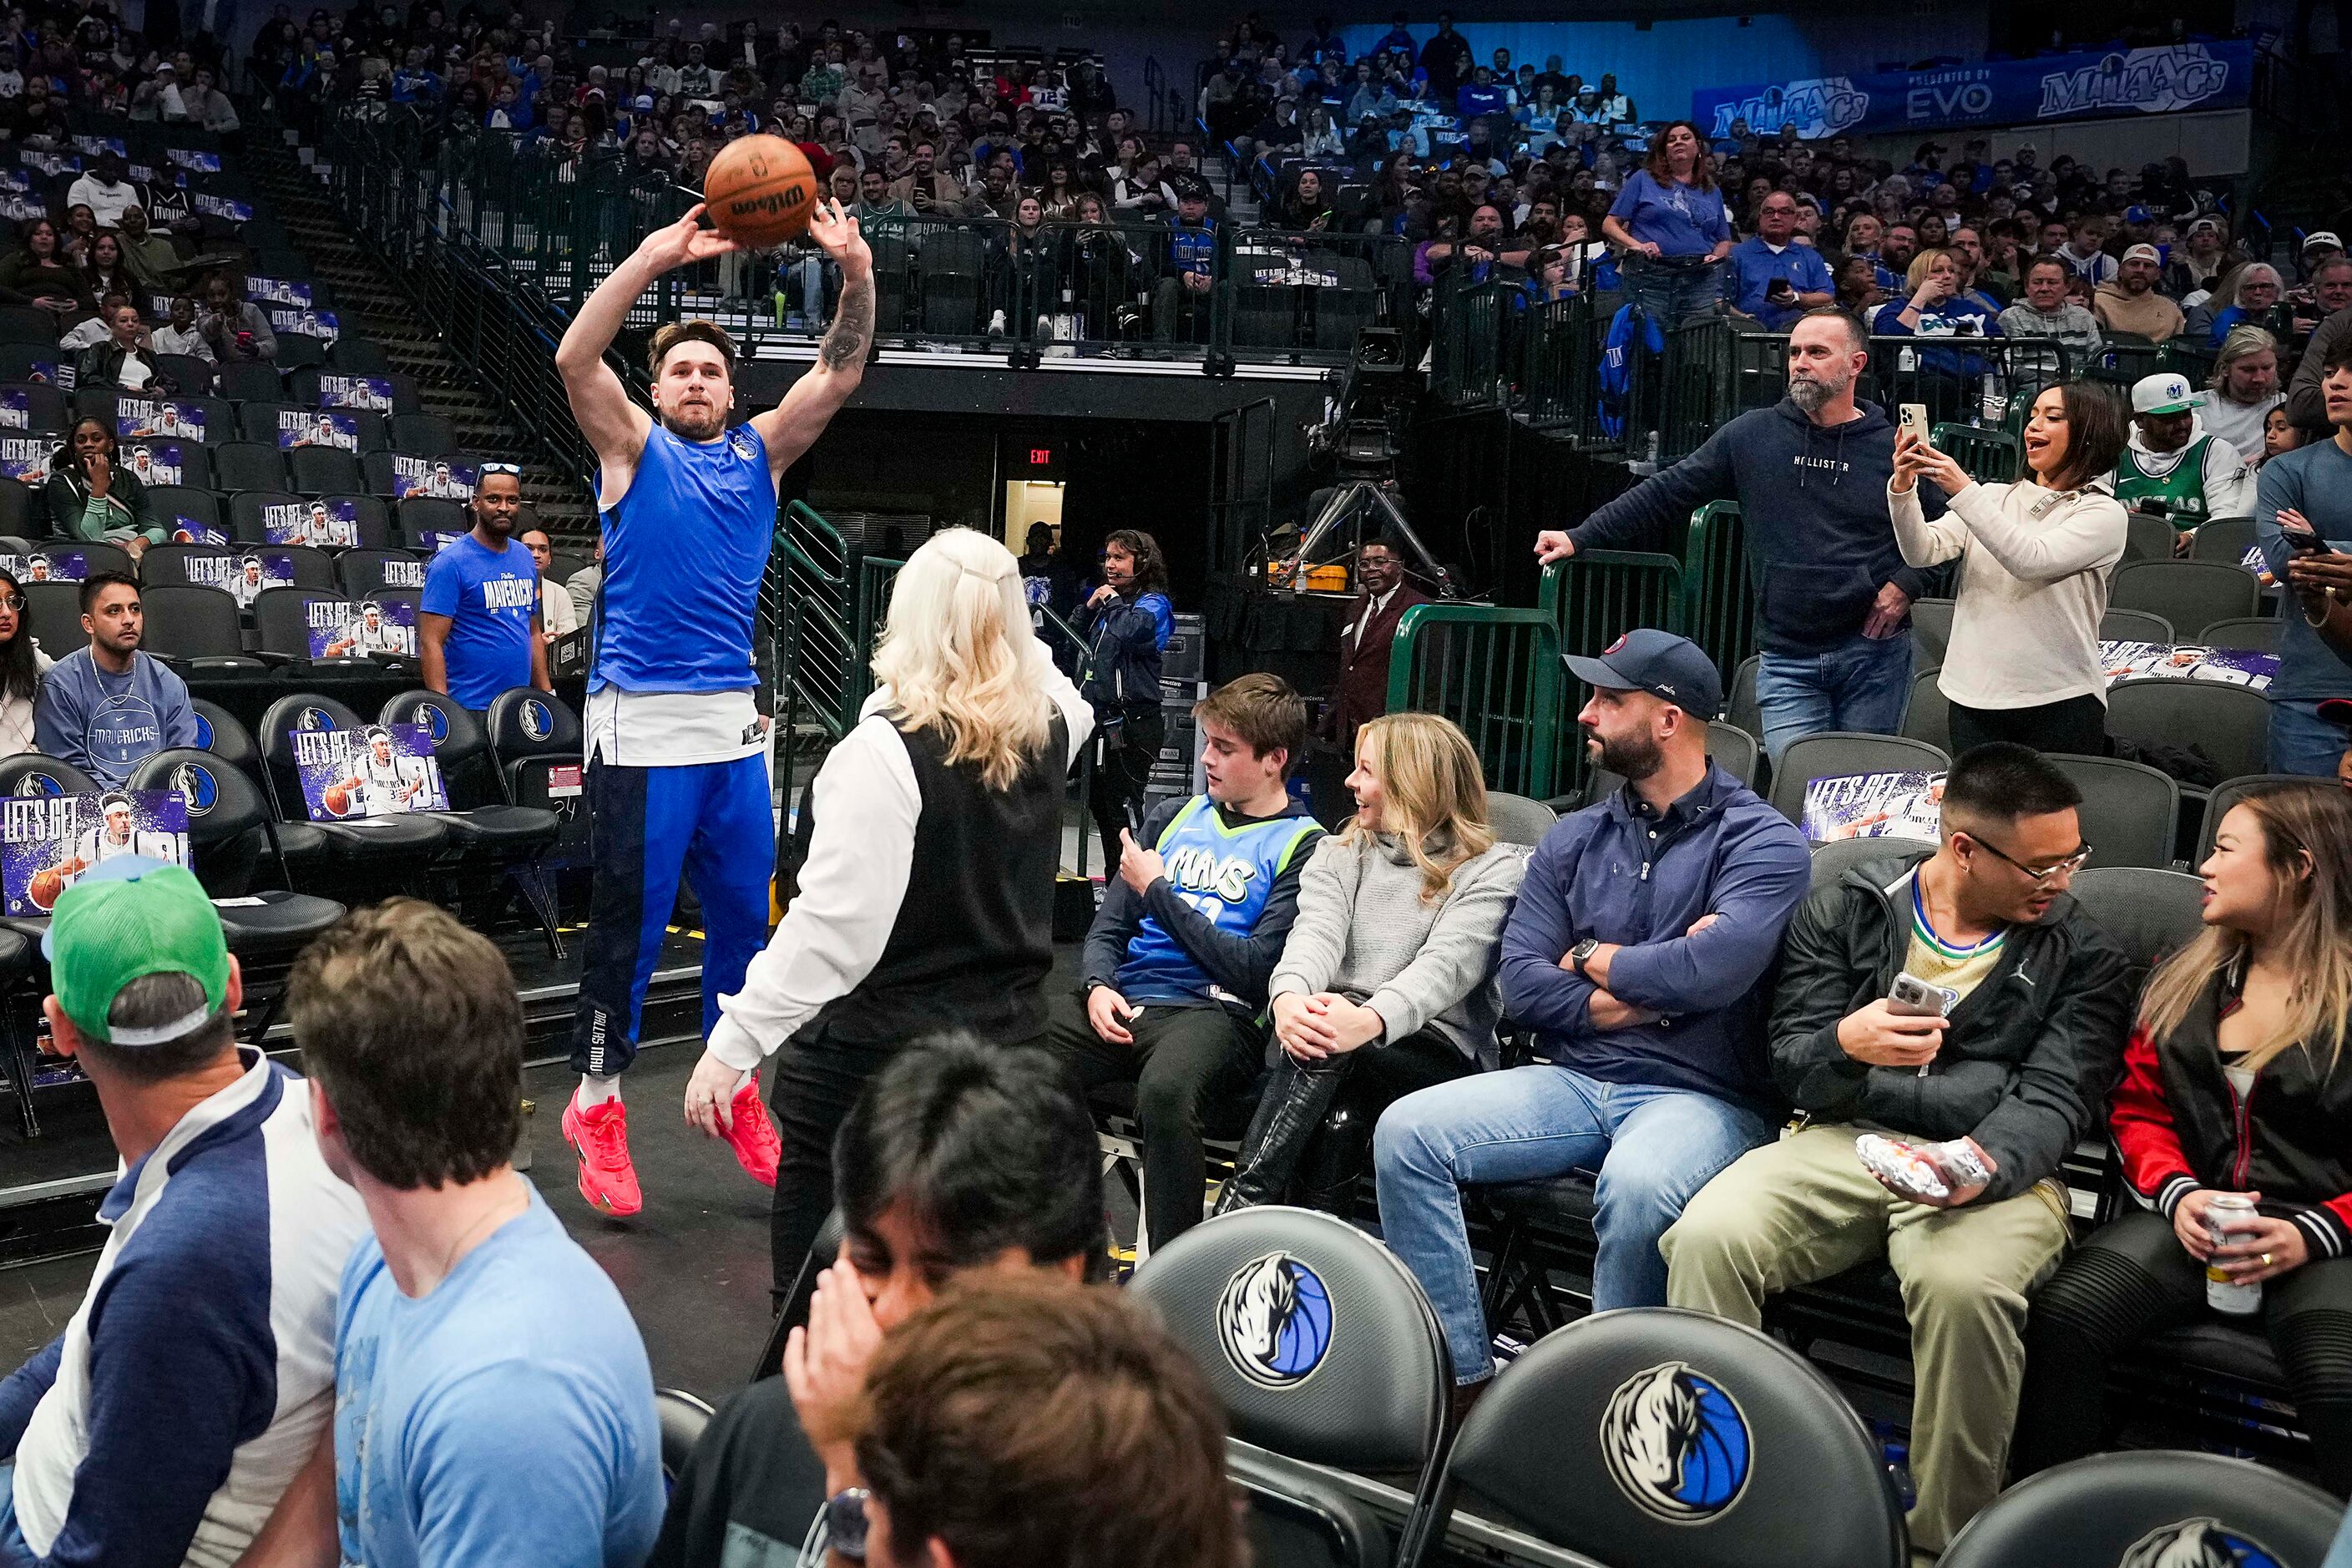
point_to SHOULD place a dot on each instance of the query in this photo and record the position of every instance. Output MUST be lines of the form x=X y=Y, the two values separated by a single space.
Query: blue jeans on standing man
x=1653 y=1148
x=2300 y=741
x=1863 y=683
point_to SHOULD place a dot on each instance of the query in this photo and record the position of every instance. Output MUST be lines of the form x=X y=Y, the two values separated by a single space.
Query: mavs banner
x=2115 y=85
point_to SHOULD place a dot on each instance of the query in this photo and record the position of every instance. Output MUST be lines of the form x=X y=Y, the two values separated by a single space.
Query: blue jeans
x=12 y=1539
x=1672 y=295
x=2302 y=742
x=1652 y=1147
x=1863 y=683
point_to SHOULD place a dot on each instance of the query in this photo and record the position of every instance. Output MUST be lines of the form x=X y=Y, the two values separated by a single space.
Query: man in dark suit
x=1366 y=640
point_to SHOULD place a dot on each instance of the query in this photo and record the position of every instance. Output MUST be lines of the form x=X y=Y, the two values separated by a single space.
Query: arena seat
x=1326 y=1357
x=359 y=356
x=247 y=512
x=2130 y=814
x=683 y=1418
x=2133 y=625
x=53 y=611
x=2222 y=539
x=381 y=843
x=165 y=502
x=502 y=841
x=2152 y=1508
x=420 y=515
x=198 y=627
x=1927 y=716
x=23 y=511
x=229 y=842
x=19 y=958
x=1740 y=706
x=2229 y=724
x=2191 y=594
x=535 y=742
x=369 y=571
x=2149 y=911
x=45 y=408
x=32 y=772
x=252 y=380
x=1837 y=753
x=248 y=466
x=186 y=375
x=1660 y=1436
x=2260 y=633
x=2146 y=538
x=281 y=622
x=323 y=471
x=28 y=325
x=2225 y=795
x=425 y=434
x=300 y=844
x=1832 y=860
x=1517 y=819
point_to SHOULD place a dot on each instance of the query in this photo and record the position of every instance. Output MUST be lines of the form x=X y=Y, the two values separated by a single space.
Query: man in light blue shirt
x=1774 y=279
x=492 y=1399
x=109 y=706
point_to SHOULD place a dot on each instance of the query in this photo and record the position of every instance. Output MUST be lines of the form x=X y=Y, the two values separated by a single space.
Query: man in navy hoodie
x=1810 y=475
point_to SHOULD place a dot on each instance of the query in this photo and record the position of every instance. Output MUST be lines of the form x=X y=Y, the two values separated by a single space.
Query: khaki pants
x=1803 y=1209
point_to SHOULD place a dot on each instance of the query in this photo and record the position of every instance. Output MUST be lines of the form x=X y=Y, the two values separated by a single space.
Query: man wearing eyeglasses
x=1967 y=1103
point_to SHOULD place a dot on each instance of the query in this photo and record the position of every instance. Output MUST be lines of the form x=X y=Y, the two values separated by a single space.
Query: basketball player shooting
x=678 y=772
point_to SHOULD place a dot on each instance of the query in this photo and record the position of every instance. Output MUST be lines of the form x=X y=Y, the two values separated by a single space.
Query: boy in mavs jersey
x=2174 y=470
x=1176 y=964
x=678 y=772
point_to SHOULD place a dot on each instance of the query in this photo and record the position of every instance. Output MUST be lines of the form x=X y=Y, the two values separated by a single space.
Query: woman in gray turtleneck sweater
x=1386 y=983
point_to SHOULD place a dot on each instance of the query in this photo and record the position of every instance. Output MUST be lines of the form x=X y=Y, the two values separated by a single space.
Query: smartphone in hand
x=2305 y=542
x=1913 y=417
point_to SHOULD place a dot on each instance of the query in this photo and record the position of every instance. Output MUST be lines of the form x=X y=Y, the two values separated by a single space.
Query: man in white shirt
x=103 y=190
x=557 y=614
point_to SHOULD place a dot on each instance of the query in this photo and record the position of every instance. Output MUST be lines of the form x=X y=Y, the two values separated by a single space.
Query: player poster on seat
x=136 y=417
x=319 y=523
x=16 y=410
x=25 y=458
x=297 y=427
x=49 y=566
x=1874 y=805
x=186 y=530
x=381 y=770
x=355 y=392
x=433 y=540
x=436 y=477
x=47 y=841
x=278 y=292
x=223 y=208
x=2187 y=661
x=245 y=577
x=399 y=572
x=343 y=628
x=324 y=325
x=163 y=462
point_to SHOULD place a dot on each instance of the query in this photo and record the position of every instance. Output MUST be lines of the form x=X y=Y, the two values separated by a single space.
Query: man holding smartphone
x=1774 y=279
x=2302 y=518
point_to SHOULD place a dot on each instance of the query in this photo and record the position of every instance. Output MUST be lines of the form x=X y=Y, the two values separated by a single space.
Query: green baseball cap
x=124 y=918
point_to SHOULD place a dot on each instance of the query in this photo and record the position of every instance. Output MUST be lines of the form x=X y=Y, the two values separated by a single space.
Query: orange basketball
x=47 y=885
x=760 y=191
x=337 y=798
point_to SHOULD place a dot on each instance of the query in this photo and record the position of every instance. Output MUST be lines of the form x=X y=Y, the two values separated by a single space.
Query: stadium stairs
x=375 y=308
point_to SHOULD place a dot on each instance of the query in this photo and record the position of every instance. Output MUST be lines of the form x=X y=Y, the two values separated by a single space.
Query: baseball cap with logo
x=2166 y=393
x=1672 y=669
x=2321 y=238
x=126 y=919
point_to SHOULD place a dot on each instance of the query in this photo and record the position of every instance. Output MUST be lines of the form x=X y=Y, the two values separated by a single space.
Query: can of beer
x=2226 y=1213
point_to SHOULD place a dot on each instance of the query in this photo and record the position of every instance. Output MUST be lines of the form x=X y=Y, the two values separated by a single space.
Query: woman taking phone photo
x=2024 y=664
x=1386 y=983
x=2237 y=1082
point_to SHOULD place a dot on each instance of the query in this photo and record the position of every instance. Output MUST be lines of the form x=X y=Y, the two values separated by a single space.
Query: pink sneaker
x=600 y=1136
x=752 y=1136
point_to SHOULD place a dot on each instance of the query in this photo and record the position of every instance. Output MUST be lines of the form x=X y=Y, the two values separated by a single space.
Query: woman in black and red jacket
x=2238 y=1079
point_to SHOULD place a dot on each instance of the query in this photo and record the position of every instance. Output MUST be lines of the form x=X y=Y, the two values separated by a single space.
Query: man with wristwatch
x=1643 y=930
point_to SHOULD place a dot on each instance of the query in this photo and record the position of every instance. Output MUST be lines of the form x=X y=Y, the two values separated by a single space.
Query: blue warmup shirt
x=1227 y=874
x=488 y=595
x=505 y=1418
x=2315 y=480
x=106 y=724
x=1625 y=874
x=1754 y=266
x=684 y=552
x=1680 y=220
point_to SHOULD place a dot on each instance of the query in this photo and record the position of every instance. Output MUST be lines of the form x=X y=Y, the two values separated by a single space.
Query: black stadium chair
x=314 y=567
x=248 y=512
x=2191 y=594
x=1325 y=1356
x=32 y=773
x=234 y=850
x=186 y=374
x=166 y=564
x=24 y=512
x=97 y=555
x=2130 y=814
x=486 y=835
x=2154 y=1509
x=1515 y=819
x=198 y=627
x=248 y=466
x=2133 y=625
x=376 y=846
x=370 y=516
x=1834 y=859
x=23 y=362
x=2224 y=796
x=165 y=502
x=359 y=356
x=2147 y=538
x=28 y=325
x=420 y=515
x=2230 y=724
x=323 y=471
x=537 y=746
x=294 y=352
x=98 y=403
x=2260 y=634
x=251 y=382
x=2149 y=912
x=53 y=610
x=1929 y=715
x=424 y=435
x=258 y=421
x=2222 y=539
x=45 y=407
x=683 y=1418
x=300 y=844
x=1668 y=1437
x=367 y=571
x=1837 y=754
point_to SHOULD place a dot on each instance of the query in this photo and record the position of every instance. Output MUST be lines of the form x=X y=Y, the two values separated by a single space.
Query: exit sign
x=1040 y=457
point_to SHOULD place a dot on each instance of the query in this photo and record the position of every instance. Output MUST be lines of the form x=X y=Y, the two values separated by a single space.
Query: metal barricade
x=811 y=597
x=1716 y=605
x=1991 y=457
x=1495 y=672
x=1468 y=350
x=1591 y=599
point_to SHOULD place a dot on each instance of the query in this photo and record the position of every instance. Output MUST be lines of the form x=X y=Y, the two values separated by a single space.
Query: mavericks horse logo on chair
x=1275 y=1320
x=2197 y=1543
x=1675 y=1444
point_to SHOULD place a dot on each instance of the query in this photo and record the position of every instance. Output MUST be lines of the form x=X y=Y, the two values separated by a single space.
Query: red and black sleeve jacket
x=2180 y=1125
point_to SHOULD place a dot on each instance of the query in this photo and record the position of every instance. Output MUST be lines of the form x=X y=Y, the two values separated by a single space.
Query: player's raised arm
x=793 y=427
x=614 y=425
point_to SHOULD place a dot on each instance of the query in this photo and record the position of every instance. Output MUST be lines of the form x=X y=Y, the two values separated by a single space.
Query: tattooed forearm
x=846 y=342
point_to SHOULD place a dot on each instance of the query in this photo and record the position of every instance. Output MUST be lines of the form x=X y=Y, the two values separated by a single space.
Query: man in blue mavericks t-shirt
x=108 y=707
x=477 y=622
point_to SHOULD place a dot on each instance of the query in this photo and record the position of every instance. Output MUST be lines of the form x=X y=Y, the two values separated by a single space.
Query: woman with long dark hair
x=22 y=664
x=1126 y=622
x=1670 y=219
x=2025 y=664
x=2237 y=1083
x=93 y=496
x=103 y=271
x=42 y=274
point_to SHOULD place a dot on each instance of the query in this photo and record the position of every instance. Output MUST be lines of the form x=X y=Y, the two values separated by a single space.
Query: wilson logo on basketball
x=769 y=202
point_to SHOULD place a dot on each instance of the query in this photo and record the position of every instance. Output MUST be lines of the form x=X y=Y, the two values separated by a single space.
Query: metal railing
x=1496 y=674
x=1594 y=598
